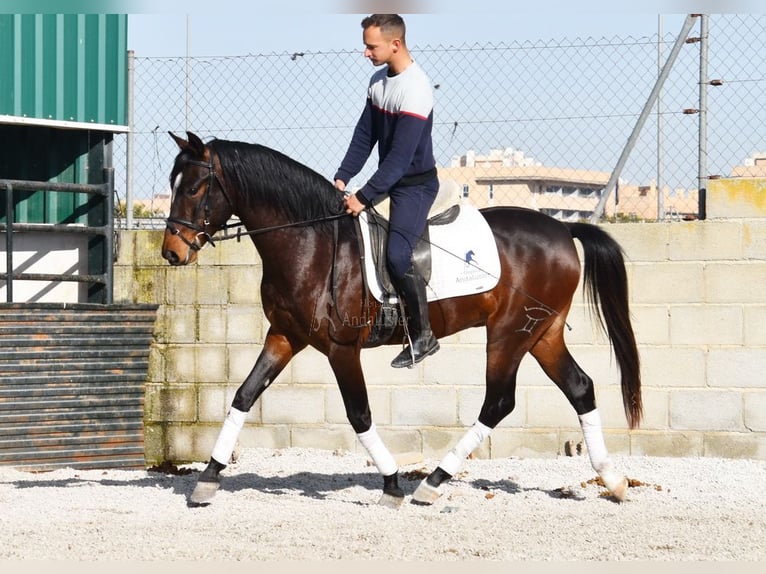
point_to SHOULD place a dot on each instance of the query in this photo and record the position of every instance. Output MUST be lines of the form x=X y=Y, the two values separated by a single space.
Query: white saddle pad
x=464 y=258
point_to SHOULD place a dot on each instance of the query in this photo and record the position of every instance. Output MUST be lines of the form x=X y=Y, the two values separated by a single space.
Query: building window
x=491 y=191
x=465 y=190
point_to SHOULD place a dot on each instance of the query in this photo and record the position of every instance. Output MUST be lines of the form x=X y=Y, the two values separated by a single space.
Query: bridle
x=212 y=177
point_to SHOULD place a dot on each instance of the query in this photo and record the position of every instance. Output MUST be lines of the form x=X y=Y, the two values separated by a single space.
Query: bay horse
x=310 y=253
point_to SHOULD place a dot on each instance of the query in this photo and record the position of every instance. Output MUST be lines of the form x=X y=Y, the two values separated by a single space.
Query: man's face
x=378 y=47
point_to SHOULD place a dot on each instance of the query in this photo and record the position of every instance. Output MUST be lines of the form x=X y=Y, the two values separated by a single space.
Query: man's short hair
x=389 y=24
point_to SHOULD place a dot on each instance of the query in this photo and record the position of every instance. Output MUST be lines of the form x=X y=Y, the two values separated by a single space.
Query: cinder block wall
x=699 y=310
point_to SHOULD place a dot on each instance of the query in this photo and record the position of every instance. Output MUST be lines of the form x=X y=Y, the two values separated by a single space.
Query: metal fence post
x=130 y=143
x=9 y=243
x=702 y=173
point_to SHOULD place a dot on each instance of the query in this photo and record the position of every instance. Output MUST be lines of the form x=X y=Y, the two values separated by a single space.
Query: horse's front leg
x=346 y=365
x=276 y=353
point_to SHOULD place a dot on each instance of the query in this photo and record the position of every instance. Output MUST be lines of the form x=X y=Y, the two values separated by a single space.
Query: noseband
x=212 y=176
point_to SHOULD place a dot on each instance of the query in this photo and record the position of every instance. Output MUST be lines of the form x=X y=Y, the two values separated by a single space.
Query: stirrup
x=408 y=358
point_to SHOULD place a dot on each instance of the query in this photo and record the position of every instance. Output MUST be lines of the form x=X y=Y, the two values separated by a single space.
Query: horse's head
x=200 y=205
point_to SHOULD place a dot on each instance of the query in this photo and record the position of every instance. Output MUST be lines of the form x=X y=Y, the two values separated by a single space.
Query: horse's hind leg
x=276 y=353
x=553 y=356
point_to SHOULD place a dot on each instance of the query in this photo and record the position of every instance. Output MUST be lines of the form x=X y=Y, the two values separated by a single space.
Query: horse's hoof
x=203 y=493
x=617 y=485
x=391 y=501
x=620 y=491
x=425 y=493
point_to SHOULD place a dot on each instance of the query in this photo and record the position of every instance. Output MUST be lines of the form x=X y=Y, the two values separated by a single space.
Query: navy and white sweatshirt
x=398 y=116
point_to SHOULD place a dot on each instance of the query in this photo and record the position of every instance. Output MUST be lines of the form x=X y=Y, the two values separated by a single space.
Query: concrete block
x=211 y=363
x=178 y=403
x=666 y=283
x=755 y=410
x=456 y=365
x=735 y=445
x=737 y=367
x=245 y=284
x=241 y=360
x=244 y=323
x=212 y=324
x=153 y=403
x=238 y=254
x=156 y=371
x=266 y=436
x=642 y=241
x=672 y=366
x=755 y=319
x=311 y=366
x=473 y=336
x=533 y=443
x=123 y=286
x=549 y=408
x=180 y=364
x=294 y=404
x=376 y=364
x=651 y=324
x=754 y=239
x=582 y=326
x=181 y=285
x=666 y=443
x=706 y=241
x=706 y=410
x=212 y=406
x=398 y=441
x=736 y=198
x=181 y=324
x=706 y=325
x=148 y=249
x=439 y=441
x=327 y=438
x=211 y=288
x=735 y=282
x=126 y=248
x=655 y=401
x=423 y=406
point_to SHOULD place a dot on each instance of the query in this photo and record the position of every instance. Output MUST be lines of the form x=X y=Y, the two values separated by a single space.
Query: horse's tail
x=606 y=287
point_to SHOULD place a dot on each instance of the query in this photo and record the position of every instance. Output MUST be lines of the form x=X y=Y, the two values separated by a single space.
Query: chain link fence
x=535 y=124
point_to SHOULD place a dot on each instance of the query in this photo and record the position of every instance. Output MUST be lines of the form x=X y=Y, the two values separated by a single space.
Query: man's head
x=384 y=38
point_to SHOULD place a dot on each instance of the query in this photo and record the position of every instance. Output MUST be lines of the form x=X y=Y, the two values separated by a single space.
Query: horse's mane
x=263 y=175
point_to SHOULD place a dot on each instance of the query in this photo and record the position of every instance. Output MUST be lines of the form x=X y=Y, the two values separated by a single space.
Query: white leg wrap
x=594 y=439
x=453 y=460
x=227 y=439
x=380 y=455
x=599 y=457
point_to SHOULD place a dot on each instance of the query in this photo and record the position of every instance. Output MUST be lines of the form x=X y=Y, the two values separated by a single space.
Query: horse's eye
x=192 y=191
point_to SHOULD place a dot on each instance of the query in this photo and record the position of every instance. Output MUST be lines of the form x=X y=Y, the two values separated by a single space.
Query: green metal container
x=56 y=69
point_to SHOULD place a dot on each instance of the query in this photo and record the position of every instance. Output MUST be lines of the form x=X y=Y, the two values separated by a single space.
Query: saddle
x=390 y=311
x=421 y=255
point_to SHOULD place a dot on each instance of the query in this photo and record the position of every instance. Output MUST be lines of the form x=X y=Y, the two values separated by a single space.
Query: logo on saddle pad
x=457 y=249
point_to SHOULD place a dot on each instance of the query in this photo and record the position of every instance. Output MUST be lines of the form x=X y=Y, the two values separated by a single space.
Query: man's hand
x=353 y=205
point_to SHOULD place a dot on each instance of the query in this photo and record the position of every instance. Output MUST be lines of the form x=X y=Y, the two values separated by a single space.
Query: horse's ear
x=196 y=144
x=182 y=143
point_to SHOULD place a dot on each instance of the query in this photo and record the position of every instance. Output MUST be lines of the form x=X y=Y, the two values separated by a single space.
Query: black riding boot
x=412 y=289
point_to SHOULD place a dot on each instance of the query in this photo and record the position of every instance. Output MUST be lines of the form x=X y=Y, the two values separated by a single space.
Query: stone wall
x=698 y=300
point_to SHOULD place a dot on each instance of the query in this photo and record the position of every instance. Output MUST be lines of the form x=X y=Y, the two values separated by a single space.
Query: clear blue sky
x=238 y=28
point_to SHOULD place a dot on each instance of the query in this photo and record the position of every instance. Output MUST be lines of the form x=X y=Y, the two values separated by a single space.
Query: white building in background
x=508 y=177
